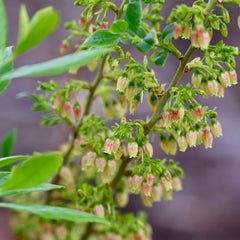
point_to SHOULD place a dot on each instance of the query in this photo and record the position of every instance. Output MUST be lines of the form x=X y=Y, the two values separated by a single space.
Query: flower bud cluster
x=200 y=38
x=66 y=108
x=182 y=30
x=151 y=187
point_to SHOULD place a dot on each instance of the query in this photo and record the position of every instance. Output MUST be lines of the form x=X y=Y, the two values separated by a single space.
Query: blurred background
x=208 y=207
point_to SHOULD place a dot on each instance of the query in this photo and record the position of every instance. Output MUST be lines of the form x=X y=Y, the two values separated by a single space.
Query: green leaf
x=23 y=23
x=56 y=66
x=8 y=143
x=57 y=213
x=8 y=160
x=3 y=26
x=4 y=177
x=40 y=188
x=161 y=58
x=34 y=171
x=167 y=32
x=133 y=15
x=102 y=38
x=43 y=23
x=119 y=26
x=6 y=67
x=146 y=44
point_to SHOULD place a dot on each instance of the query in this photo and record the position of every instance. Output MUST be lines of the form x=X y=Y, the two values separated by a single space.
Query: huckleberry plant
x=102 y=166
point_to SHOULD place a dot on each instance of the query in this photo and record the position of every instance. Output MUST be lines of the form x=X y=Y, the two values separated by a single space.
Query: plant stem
x=180 y=71
x=75 y=132
x=164 y=99
x=120 y=11
x=126 y=160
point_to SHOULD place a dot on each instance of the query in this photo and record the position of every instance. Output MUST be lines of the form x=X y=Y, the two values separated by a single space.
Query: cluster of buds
x=182 y=30
x=227 y=79
x=200 y=38
x=111 y=145
x=175 y=115
x=151 y=188
x=196 y=113
x=61 y=105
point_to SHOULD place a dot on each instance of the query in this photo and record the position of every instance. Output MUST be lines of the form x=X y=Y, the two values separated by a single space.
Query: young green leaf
x=3 y=26
x=161 y=58
x=34 y=171
x=119 y=26
x=133 y=15
x=146 y=43
x=56 y=213
x=56 y=66
x=4 y=177
x=40 y=188
x=102 y=38
x=8 y=66
x=8 y=143
x=167 y=32
x=23 y=23
x=43 y=23
x=8 y=160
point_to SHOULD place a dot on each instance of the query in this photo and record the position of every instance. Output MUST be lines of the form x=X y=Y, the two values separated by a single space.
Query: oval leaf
x=119 y=26
x=101 y=38
x=56 y=66
x=44 y=22
x=146 y=44
x=161 y=58
x=56 y=213
x=167 y=32
x=3 y=26
x=8 y=160
x=34 y=171
x=133 y=15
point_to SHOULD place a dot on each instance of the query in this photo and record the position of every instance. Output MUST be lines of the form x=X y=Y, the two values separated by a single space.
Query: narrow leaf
x=167 y=32
x=8 y=142
x=8 y=160
x=3 y=26
x=161 y=58
x=102 y=38
x=56 y=66
x=44 y=22
x=133 y=15
x=34 y=171
x=23 y=23
x=8 y=66
x=119 y=26
x=56 y=213
x=40 y=188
